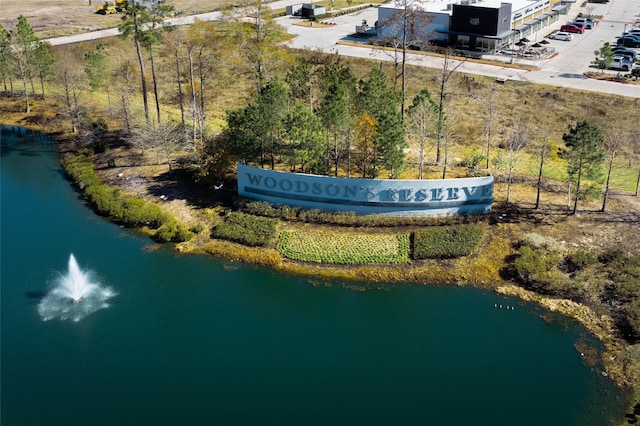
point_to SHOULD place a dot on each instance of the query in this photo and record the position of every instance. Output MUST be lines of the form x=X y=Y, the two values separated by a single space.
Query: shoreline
x=600 y=326
x=481 y=269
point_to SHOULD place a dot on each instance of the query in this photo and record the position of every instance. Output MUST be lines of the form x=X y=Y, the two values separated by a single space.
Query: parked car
x=587 y=23
x=597 y=1
x=622 y=64
x=634 y=36
x=560 y=35
x=572 y=28
x=628 y=42
x=623 y=56
x=632 y=32
x=624 y=51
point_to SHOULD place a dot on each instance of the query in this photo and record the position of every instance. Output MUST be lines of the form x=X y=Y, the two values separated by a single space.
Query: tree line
x=311 y=114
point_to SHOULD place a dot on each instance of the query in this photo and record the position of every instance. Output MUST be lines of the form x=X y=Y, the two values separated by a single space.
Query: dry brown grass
x=58 y=18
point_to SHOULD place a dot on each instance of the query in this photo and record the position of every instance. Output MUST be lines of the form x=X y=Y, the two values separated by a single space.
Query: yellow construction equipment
x=121 y=5
x=107 y=8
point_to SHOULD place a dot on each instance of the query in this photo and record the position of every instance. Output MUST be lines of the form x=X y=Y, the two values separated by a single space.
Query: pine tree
x=6 y=57
x=23 y=64
x=98 y=71
x=583 y=154
x=257 y=40
x=337 y=110
x=151 y=38
x=134 y=20
x=378 y=100
x=306 y=144
x=334 y=114
x=43 y=61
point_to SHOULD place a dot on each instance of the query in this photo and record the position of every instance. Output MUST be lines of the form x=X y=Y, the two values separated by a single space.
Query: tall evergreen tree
x=6 y=57
x=382 y=103
x=338 y=86
x=306 y=144
x=23 y=64
x=151 y=38
x=334 y=113
x=365 y=134
x=243 y=133
x=391 y=140
x=43 y=61
x=97 y=68
x=583 y=154
x=257 y=39
x=136 y=16
x=273 y=103
x=255 y=130
x=299 y=78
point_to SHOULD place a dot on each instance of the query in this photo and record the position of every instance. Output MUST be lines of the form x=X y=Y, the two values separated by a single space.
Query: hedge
x=346 y=218
x=446 y=242
x=119 y=207
x=247 y=229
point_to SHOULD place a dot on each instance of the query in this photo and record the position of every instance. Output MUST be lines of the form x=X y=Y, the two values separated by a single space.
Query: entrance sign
x=390 y=197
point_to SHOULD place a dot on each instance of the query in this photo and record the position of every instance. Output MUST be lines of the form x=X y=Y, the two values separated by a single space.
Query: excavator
x=109 y=7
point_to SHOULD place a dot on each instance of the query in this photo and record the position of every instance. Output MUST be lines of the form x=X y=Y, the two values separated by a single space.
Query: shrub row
x=119 y=207
x=446 y=242
x=341 y=248
x=247 y=229
x=284 y=212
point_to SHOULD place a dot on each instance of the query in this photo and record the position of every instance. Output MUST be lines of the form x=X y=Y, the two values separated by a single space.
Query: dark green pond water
x=191 y=340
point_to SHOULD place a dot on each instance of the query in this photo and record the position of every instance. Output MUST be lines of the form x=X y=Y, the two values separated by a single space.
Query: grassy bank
x=486 y=265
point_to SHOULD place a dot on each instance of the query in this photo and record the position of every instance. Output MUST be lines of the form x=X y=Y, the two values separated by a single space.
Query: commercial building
x=475 y=25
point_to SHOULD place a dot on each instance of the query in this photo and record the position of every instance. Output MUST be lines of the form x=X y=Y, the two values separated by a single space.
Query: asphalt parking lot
x=565 y=69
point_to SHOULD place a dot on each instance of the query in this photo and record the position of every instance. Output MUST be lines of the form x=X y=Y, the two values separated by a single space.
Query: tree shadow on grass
x=178 y=185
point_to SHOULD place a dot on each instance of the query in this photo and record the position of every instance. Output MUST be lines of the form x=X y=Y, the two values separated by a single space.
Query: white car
x=561 y=35
x=588 y=23
x=620 y=63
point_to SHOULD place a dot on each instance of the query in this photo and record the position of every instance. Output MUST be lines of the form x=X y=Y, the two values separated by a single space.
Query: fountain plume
x=74 y=295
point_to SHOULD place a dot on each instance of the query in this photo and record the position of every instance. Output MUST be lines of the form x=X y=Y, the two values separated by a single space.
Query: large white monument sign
x=433 y=197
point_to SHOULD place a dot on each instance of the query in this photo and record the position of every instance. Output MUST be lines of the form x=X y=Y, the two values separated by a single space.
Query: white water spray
x=74 y=296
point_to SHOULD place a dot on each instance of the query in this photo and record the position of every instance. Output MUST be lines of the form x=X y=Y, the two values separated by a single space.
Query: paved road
x=565 y=69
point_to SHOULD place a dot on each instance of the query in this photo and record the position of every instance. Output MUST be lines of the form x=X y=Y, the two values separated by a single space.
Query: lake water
x=192 y=340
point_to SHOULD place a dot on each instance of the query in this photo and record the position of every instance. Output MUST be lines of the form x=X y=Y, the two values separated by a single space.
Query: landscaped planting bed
x=344 y=248
x=446 y=242
x=247 y=229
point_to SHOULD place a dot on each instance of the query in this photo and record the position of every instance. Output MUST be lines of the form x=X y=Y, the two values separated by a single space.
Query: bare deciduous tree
x=421 y=126
x=71 y=84
x=493 y=94
x=443 y=79
x=542 y=149
x=614 y=142
x=164 y=140
x=517 y=141
x=407 y=25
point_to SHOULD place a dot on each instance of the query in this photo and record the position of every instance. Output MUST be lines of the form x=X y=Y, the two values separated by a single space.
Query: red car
x=571 y=28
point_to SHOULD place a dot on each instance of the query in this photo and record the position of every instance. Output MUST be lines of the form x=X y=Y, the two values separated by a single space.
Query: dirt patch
x=59 y=18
